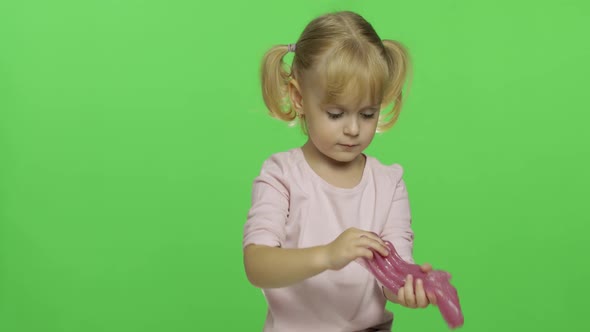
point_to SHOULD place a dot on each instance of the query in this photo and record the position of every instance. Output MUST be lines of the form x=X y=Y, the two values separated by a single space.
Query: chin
x=343 y=157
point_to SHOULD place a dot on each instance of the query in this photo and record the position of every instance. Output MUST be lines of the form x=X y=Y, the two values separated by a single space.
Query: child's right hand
x=353 y=243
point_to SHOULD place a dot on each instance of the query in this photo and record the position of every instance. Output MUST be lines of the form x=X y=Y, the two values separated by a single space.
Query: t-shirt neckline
x=360 y=185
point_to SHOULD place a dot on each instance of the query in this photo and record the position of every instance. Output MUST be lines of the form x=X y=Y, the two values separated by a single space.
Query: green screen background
x=131 y=131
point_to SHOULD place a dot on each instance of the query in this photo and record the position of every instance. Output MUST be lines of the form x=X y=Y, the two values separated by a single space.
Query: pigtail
x=400 y=70
x=275 y=80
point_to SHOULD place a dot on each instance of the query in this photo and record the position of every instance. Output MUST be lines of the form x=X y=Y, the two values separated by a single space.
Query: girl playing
x=318 y=209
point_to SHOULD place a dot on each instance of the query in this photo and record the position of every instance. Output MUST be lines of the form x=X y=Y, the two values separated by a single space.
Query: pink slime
x=391 y=271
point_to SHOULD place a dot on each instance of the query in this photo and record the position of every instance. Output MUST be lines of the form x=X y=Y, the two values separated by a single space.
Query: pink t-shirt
x=293 y=207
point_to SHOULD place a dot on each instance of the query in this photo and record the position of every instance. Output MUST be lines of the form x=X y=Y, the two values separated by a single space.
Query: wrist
x=321 y=259
x=389 y=295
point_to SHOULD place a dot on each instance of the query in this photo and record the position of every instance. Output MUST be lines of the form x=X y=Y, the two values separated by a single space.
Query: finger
x=373 y=236
x=377 y=235
x=409 y=290
x=364 y=252
x=426 y=267
x=431 y=298
x=401 y=298
x=381 y=248
x=421 y=299
x=378 y=238
x=376 y=245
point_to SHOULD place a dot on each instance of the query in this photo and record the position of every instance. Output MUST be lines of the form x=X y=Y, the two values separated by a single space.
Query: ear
x=296 y=96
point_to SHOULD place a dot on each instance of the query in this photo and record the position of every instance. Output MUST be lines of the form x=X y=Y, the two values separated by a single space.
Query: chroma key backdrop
x=131 y=132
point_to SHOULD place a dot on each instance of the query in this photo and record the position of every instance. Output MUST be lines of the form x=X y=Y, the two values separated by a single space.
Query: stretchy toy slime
x=391 y=271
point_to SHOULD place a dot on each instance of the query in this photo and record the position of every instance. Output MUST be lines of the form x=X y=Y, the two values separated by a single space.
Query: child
x=318 y=208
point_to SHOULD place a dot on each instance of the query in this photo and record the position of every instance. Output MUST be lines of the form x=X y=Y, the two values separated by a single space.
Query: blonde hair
x=354 y=57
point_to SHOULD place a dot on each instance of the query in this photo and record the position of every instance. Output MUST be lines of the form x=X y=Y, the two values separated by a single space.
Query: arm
x=398 y=231
x=266 y=263
x=398 y=228
x=273 y=267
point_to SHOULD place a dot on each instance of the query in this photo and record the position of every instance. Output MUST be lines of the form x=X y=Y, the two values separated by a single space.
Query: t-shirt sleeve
x=398 y=228
x=268 y=213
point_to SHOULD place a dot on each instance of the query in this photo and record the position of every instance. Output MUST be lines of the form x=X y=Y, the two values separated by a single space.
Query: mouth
x=348 y=145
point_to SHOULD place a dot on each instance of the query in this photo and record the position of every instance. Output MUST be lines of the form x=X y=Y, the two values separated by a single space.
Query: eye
x=334 y=115
x=368 y=115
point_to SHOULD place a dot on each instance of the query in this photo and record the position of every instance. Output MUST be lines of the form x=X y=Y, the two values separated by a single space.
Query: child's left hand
x=414 y=298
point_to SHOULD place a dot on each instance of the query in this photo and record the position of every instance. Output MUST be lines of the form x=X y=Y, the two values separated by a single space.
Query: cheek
x=321 y=129
x=316 y=124
x=371 y=126
x=369 y=130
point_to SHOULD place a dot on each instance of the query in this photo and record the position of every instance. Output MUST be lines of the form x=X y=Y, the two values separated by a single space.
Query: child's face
x=340 y=131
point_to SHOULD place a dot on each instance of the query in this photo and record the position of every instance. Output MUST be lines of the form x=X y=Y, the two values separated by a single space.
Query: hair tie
x=291 y=47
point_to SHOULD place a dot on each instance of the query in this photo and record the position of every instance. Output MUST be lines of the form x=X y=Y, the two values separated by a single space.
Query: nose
x=351 y=127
